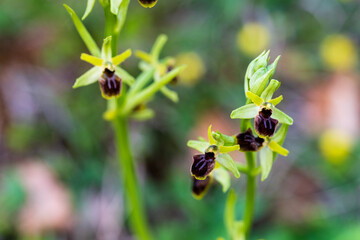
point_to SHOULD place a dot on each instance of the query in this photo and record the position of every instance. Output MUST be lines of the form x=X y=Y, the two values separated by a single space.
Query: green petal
x=200 y=146
x=266 y=161
x=114 y=6
x=84 y=34
x=92 y=60
x=280 y=134
x=148 y=92
x=106 y=49
x=170 y=94
x=275 y=147
x=89 y=8
x=245 y=112
x=144 y=114
x=158 y=46
x=276 y=101
x=223 y=177
x=121 y=57
x=125 y=76
x=270 y=89
x=254 y=98
x=227 y=162
x=88 y=78
x=282 y=117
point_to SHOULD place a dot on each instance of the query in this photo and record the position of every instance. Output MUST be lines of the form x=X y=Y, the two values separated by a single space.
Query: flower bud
x=203 y=164
x=110 y=84
x=264 y=124
x=248 y=142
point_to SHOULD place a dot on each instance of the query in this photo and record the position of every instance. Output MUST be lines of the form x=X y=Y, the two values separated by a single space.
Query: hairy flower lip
x=110 y=84
x=203 y=165
x=264 y=124
x=148 y=3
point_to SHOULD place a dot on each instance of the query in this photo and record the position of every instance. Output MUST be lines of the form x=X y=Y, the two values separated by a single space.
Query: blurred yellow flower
x=253 y=38
x=338 y=52
x=335 y=145
x=195 y=68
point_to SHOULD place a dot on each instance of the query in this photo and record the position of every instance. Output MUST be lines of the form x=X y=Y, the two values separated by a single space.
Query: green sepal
x=229 y=215
x=106 y=50
x=125 y=76
x=200 y=146
x=270 y=89
x=141 y=81
x=89 y=8
x=143 y=115
x=158 y=46
x=227 y=162
x=280 y=134
x=266 y=161
x=261 y=78
x=148 y=92
x=247 y=111
x=83 y=32
x=282 y=117
x=88 y=77
x=170 y=94
x=223 y=177
x=114 y=6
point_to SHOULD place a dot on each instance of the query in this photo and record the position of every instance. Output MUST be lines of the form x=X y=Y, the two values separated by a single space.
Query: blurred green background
x=58 y=173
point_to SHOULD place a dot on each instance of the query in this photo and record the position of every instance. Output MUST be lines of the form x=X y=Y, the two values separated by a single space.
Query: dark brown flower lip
x=200 y=187
x=202 y=165
x=264 y=124
x=248 y=142
x=110 y=84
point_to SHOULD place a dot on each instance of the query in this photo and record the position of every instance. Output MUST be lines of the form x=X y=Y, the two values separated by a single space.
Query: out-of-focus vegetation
x=58 y=173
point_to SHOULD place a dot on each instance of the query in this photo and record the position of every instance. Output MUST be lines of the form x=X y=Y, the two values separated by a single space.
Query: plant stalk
x=250 y=185
x=134 y=204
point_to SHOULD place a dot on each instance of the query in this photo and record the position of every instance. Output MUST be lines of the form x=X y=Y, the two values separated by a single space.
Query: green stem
x=250 y=185
x=250 y=193
x=133 y=200
x=134 y=204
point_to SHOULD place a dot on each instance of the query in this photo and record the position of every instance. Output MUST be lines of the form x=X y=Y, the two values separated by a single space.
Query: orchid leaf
x=83 y=32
